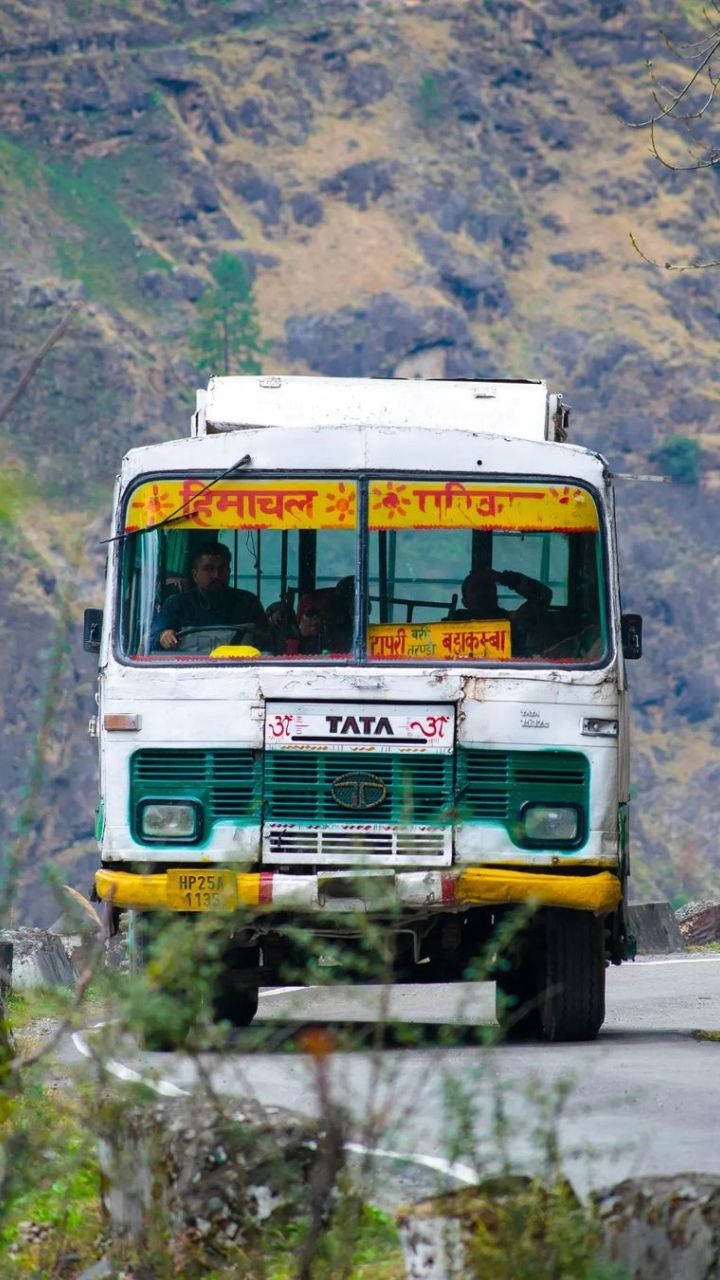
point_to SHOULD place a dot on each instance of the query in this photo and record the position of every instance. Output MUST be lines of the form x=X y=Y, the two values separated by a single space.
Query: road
x=641 y=1099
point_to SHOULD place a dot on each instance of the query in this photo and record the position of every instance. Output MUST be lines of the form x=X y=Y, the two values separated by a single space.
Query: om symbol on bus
x=431 y=727
x=279 y=726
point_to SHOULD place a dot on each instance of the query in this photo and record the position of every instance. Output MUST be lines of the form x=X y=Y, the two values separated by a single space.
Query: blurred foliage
x=431 y=103
x=50 y=1186
x=535 y=1230
x=679 y=457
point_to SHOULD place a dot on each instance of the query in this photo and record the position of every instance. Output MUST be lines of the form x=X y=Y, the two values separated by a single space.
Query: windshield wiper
x=179 y=512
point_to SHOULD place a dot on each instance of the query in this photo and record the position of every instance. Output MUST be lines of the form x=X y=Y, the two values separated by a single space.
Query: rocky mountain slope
x=414 y=186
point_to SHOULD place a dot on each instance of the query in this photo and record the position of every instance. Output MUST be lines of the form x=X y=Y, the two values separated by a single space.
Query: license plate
x=189 y=889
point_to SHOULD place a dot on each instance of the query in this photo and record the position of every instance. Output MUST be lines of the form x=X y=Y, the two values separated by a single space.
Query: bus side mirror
x=92 y=629
x=631 y=632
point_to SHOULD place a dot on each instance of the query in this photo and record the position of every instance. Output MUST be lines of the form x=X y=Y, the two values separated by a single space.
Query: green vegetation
x=430 y=101
x=680 y=458
x=99 y=247
x=227 y=336
x=535 y=1230
x=105 y=256
x=50 y=1182
x=11 y=497
x=18 y=166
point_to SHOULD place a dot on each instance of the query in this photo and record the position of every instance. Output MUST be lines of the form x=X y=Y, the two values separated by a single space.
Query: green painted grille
x=298 y=787
x=478 y=785
x=225 y=782
x=495 y=785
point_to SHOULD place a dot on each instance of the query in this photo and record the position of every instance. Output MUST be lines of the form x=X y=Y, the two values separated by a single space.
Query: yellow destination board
x=488 y=641
x=254 y=504
x=449 y=504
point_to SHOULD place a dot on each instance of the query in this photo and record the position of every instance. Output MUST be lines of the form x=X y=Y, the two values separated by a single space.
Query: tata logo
x=359 y=726
x=358 y=790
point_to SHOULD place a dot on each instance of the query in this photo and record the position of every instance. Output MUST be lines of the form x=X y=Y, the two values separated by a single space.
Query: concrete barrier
x=39 y=959
x=655 y=928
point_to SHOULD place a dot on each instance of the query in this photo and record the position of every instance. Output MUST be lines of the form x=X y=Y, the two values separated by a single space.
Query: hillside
x=429 y=187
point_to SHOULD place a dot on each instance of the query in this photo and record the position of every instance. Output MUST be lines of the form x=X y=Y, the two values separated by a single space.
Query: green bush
x=431 y=102
x=679 y=457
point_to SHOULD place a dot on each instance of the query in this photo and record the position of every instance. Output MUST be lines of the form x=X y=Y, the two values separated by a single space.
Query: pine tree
x=227 y=336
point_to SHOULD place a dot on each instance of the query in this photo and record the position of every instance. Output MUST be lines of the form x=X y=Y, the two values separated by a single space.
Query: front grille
x=225 y=782
x=302 y=819
x=298 y=787
x=497 y=784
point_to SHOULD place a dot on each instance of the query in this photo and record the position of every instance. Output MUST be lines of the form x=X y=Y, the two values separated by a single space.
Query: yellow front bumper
x=599 y=892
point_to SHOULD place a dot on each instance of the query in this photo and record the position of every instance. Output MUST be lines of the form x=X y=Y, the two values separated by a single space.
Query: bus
x=362 y=662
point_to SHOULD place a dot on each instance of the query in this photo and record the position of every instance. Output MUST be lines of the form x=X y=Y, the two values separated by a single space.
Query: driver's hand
x=168 y=640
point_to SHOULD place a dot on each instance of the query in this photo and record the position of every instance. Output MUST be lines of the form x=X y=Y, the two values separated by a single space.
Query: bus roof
x=519 y=409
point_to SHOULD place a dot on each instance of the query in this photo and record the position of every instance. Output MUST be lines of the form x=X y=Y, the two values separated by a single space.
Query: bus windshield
x=456 y=571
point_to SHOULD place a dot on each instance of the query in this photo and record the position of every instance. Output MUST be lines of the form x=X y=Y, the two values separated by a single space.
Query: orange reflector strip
x=116 y=720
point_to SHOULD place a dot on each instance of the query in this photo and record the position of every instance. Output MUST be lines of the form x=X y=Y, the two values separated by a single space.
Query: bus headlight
x=161 y=821
x=551 y=823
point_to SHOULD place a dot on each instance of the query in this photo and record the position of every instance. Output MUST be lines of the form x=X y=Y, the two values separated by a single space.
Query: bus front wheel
x=571 y=974
x=516 y=991
x=235 y=999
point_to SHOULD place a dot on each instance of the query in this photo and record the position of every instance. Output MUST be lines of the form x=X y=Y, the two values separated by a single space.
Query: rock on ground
x=39 y=959
x=664 y=1226
x=699 y=922
x=187 y=1165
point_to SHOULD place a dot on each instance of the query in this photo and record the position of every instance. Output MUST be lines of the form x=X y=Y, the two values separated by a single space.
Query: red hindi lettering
x=196 y=505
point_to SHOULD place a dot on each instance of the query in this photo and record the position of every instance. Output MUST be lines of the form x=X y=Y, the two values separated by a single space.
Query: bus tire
x=572 y=975
x=234 y=1001
x=156 y=1035
x=516 y=996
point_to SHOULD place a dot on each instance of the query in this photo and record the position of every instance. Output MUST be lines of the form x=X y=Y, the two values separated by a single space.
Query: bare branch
x=695 y=115
x=671 y=266
x=37 y=360
x=698 y=162
x=682 y=93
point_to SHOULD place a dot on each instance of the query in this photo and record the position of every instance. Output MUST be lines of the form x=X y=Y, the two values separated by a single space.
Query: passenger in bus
x=210 y=602
x=284 y=632
x=339 y=608
x=310 y=626
x=480 y=600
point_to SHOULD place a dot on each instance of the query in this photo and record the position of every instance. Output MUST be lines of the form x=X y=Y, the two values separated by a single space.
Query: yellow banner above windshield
x=233 y=504
x=448 y=504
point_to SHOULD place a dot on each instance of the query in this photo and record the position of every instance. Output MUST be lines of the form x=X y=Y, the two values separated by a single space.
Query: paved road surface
x=644 y=1096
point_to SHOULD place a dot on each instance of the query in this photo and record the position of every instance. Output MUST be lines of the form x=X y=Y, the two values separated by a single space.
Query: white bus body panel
x=518 y=409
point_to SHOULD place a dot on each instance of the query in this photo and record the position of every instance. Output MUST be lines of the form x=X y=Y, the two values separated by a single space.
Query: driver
x=209 y=602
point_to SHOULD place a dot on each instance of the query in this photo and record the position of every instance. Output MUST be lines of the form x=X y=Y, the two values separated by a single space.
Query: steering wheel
x=203 y=639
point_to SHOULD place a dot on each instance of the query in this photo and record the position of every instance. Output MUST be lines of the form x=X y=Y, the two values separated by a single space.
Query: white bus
x=362 y=658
